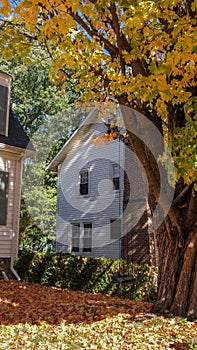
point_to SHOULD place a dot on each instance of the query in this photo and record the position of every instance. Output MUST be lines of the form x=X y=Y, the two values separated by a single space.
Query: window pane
x=116 y=183
x=75 y=241
x=87 y=238
x=76 y=230
x=87 y=245
x=84 y=179
x=115 y=229
x=116 y=177
x=87 y=229
x=3 y=197
x=83 y=189
x=3 y=108
x=116 y=171
x=75 y=245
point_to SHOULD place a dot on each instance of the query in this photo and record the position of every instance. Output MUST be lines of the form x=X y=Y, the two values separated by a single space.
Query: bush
x=95 y=275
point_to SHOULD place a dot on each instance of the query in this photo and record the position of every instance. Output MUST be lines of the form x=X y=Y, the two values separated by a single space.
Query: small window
x=115 y=229
x=3 y=108
x=75 y=237
x=3 y=197
x=84 y=182
x=5 y=81
x=116 y=176
x=87 y=237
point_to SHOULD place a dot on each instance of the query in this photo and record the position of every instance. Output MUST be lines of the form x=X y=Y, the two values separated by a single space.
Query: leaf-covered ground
x=41 y=317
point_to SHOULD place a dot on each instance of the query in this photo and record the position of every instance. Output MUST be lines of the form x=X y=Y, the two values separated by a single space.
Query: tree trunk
x=177 y=280
x=177 y=234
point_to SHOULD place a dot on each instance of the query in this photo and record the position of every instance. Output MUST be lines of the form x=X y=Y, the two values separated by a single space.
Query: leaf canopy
x=141 y=52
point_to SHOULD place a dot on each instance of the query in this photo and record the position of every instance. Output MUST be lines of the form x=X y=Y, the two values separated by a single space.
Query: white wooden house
x=13 y=147
x=92 y=215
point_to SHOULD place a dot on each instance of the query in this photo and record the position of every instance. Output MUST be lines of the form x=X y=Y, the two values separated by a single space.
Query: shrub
x=96 y=275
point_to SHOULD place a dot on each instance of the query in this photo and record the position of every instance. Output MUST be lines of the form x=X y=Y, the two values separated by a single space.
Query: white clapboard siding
x=102 y=204
x=11 y=163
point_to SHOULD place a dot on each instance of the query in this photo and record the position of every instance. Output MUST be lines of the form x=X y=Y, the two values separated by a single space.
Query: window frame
x=81 y=238
x=114 y=178
x=87 y=184
x=88 y=237
x=75 y=237
x=5 y=81
x=4 y=197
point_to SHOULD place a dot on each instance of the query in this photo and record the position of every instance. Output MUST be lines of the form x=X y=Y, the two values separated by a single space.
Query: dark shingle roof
x=16 y=135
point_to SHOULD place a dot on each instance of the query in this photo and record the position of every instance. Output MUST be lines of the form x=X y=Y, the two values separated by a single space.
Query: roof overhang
x=17 y=150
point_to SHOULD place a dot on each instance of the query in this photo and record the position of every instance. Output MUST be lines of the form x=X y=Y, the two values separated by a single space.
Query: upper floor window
x=116 y=176
x=5 y=82
x=3 y=197
x=84 y=182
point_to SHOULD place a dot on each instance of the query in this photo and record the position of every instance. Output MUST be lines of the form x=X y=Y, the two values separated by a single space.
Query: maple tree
x=143 y=53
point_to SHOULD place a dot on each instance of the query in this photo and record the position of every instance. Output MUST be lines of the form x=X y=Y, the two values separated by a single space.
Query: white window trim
x=79 y=181
x=6 y=81
x=111 y=176
x=81 y=237
x=5 y=197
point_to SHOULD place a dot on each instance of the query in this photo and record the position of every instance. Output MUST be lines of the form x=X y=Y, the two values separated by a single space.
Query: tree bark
x=177 y=280
x=177 y=234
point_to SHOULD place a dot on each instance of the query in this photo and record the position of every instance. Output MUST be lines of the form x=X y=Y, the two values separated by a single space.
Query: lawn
x=41 y=317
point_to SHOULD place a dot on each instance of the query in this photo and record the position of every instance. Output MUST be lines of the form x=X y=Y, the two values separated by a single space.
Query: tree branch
x=116 y=27
x=93 y=32
x=180 y=196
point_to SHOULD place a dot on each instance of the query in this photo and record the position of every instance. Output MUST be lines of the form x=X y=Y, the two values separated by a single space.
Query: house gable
x=16 y=135
x=75 y=138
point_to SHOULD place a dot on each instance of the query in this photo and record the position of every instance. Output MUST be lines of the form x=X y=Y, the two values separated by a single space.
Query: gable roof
x=16 y=135
x=75 y=137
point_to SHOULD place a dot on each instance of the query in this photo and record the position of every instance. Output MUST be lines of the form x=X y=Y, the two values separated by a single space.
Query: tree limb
x=180 y=196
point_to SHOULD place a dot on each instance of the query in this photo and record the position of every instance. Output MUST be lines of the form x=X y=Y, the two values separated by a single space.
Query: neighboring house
x=101 y=207
x=13 y=148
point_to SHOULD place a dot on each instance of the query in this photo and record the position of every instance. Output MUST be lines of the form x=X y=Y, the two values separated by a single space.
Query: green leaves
x=183 y=145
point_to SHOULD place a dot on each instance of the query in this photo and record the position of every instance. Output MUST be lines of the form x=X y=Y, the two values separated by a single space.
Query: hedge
x=95 y=275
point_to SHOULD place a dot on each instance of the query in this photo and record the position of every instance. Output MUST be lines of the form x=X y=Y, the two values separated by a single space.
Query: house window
x=87 y=237
x=5 y=82
x=75 y=244
x=3 y=197
x=115 y=229
x=84 y=182
x=116 y=176
x=81 y=240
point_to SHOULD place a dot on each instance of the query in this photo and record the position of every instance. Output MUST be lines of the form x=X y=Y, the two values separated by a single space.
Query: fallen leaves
x=25 y=302
x=41 y=317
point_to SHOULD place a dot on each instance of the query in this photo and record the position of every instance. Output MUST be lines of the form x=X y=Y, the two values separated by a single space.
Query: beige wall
x=11 y=161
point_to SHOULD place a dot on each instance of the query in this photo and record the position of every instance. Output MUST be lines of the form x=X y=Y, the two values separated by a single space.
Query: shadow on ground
x=22 y=302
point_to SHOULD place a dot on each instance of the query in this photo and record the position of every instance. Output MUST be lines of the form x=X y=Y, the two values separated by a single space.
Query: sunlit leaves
x=102 y=41
x=183 y=145
x=5 y=8
x=55 y=319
